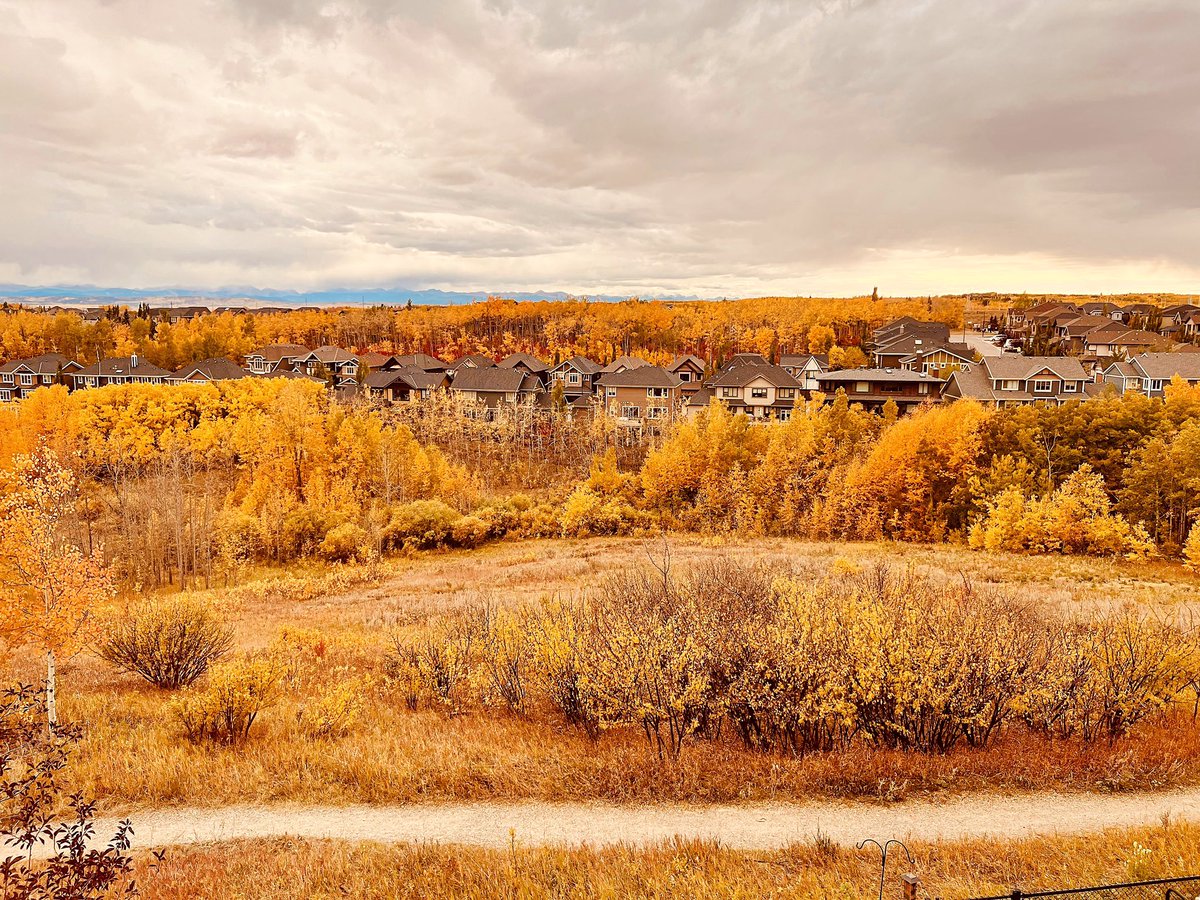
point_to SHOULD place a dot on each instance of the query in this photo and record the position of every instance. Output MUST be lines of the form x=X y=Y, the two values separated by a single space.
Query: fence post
x=908 y=887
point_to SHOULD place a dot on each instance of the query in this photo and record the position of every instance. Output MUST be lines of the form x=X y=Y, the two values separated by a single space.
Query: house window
x=684 y=375
x=922 y=389
x=1010 y=386
x=6 y=378
x=729 y=392
x=1156 y=384
x=629 y=411
x=46 y=379
x=610 y=393
x=786 y=393
x=758 y=393
x=656 y=393
x=1070 y=387
x=656 y=412
x=573 y=378
x=861 y=387
x=5 y=396
x=1042 y=386
x=26 y=379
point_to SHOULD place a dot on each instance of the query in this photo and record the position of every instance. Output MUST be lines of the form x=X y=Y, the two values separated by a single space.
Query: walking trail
x=755 y=827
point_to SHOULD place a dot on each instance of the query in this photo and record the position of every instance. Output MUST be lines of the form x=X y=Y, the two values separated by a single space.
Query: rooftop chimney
x=133 y=361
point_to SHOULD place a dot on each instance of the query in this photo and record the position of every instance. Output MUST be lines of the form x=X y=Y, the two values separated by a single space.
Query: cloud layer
x=718 y=147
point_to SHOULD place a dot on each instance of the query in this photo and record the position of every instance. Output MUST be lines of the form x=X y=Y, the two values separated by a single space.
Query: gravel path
x=760 y=826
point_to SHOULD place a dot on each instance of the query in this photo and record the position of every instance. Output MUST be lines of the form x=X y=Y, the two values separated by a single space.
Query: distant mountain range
x=240 y=296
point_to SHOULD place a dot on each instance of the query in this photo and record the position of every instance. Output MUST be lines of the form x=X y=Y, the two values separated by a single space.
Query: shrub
x=469 y=531
x=170 y=643
x=420 y=524
x=224 y=711
x=1191 y=549
x=337 y=708
x=344 y=542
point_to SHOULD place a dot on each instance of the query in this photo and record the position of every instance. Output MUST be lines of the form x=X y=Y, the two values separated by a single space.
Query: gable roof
x=687 y=359
x=495 y=379
x=421 y=361
x=415 y=378
x=330 y=354
x=624 y=362
x=472 y=361
x=122 y=367
x=532 y=363
x=215 y=369
x=46 y=364
x=1019 y=368
x=373 y=360
x=580 y=364
x=642 y=376
x=740 y=376
x=1168 y=365
x=276 y=352
x=800 y=360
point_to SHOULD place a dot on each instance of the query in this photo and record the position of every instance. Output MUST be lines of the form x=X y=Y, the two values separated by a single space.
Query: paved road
x=495 y=825
x=978 y=344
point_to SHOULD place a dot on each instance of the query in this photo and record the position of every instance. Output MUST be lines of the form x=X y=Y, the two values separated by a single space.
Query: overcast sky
x=716 y=148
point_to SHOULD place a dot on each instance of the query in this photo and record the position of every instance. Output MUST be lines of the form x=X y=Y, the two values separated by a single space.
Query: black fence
x=1162 y=889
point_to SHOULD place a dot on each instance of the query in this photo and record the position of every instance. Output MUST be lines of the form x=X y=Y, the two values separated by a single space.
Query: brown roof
x=532 y=363
x=740 y=376
x=216 y=369
x=496 y=380
x=642 y=376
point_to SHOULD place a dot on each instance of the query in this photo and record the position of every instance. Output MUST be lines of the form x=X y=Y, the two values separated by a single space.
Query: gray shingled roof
x=497 y=379
x=683 y=360
x=276 y=352
x=582 y=364
x=420 y=361
x=532 y=363
x=642 y=376
x=216 y=369
x=46 y=364
x=624 y=362
x=1022 y=367
x=1168 y=365
x=122 y=366
x=740 y=376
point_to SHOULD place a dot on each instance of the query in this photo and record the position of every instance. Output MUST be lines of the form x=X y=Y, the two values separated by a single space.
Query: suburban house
x=473 y=361
x=623 y=363
x=642 y=393
x=377 y=362
x=908 y=339
x=496 y=386
x=1119 y=340
x=526 y=364
x=745 y=359
x=275 y=356
x=1037 y=318
x=907 y=326
x=760 y=391
x=576 y=375
x=174 y=314
x=690 y=371
x=341 y=365
x=1150 y=373
x=404 y=385
x=873 y=388
x=216 y=369
x=805 y=368
x=119 y=370
x=1110 y=311
x=939 y=360
x=422 y=361
x=20 y=377
x=1018 y=380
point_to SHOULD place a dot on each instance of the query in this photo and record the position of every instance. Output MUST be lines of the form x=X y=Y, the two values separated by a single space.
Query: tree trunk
x=51 y=690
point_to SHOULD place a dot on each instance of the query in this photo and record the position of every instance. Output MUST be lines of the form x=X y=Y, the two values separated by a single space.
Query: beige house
x=645 y=393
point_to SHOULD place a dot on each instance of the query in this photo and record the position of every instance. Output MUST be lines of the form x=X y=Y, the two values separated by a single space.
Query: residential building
x=216 y=369
x=1120 y=340
x=119 y=370
x=690 y=371
x=576 y=375
x=745 y=359
x=422 y=361
x=643 y=393
x=496 y=386
x=760 y=391
x=805 y=367
x=405 y=385
x=340 y=365
x=1019 y=380
x=873 y=388
x=21 y=377
x=529 y=365
x=473 y=361
x=275 y=356
x=623 y=363
x=1150 y=373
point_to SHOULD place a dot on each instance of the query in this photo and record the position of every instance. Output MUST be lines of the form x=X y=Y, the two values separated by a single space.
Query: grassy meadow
x=134 y=753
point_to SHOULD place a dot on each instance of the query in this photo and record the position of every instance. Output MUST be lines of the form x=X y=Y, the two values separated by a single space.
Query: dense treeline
x=189 y=483
x=657 y=330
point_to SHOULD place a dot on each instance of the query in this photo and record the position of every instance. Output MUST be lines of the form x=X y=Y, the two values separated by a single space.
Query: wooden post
x=908 y=887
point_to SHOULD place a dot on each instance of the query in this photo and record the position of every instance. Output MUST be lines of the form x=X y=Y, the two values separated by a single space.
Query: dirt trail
x=760 y=826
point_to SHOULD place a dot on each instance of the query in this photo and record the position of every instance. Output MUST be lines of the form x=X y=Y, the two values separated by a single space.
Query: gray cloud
x=720 y=147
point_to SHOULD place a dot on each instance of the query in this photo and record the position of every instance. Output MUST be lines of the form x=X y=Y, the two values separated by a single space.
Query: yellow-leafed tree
x=49 y=588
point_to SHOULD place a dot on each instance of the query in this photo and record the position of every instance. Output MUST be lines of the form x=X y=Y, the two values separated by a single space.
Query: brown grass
x=133 y=754
x=288 y=868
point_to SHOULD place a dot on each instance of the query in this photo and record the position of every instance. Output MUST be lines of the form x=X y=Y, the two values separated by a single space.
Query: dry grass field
x=289 y=868
x=134 y=755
